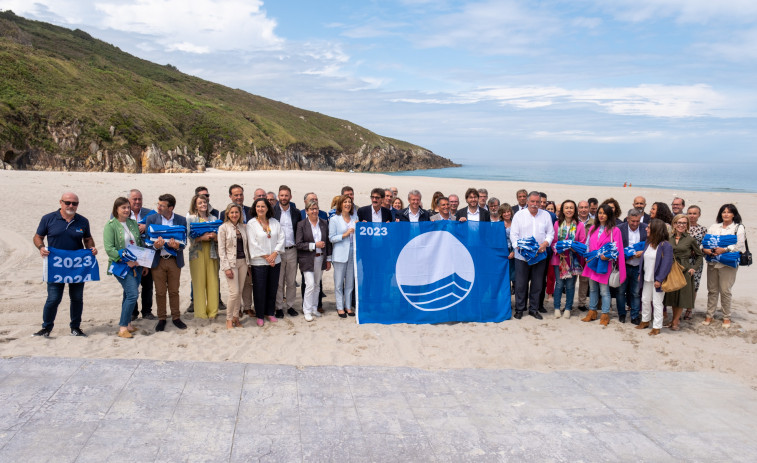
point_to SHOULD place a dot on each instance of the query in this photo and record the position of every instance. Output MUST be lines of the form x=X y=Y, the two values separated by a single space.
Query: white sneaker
x=308 y=317
x=318 y=314
x=557 y=313
x=566 y=314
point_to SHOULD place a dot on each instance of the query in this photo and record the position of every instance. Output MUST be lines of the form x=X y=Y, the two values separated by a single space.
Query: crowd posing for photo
x=645 y=262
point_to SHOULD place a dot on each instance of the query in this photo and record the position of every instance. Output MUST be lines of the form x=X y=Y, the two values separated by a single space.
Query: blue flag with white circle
x=432 y=272
x=63 y=266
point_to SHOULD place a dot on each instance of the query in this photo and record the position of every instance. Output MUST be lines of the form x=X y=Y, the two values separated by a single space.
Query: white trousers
x=649 y=297
x=312 y=286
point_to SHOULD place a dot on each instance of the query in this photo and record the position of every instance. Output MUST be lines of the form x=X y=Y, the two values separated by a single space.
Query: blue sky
x=479 y=82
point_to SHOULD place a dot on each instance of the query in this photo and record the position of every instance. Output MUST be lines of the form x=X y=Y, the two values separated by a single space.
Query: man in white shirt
x=473 y=212
x=413 y=212
x=529 y=279
x=288 y=216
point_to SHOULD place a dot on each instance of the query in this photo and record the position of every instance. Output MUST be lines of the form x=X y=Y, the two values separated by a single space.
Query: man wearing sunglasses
x=67 y=230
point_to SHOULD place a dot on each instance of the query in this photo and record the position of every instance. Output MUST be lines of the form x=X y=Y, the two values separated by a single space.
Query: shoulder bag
x=675 y=279
x=745 y=260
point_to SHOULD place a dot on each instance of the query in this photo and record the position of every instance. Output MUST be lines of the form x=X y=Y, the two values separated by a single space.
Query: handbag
x=675 y=279
x=745 y=260
x=614 y=281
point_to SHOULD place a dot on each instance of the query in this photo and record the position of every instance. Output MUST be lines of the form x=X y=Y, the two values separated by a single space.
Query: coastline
x=547 y=345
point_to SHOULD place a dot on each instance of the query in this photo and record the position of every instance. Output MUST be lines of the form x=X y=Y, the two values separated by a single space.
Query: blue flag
x=70 y=266
x=432 y=272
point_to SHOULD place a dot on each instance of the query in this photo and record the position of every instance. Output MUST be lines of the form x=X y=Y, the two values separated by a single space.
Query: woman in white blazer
x=342 y=236
x=266 y=242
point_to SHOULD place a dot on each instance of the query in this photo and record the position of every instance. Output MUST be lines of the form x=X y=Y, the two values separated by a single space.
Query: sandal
x=675 y=327
x=687 y=315
x=707 y=321
x=726 y=323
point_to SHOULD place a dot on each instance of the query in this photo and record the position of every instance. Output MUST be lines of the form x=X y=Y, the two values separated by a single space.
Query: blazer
x=624 y=232
x=113 y=238
x=227 y=245
x=483 y=214
x=341 y=246
x=404 y=215
x=662 y=264
x=293 y=212
x=157 y=219
x=365 y=214
x=304 y=236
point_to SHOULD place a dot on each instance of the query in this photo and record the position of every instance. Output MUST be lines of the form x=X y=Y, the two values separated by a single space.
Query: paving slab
x=82 y=410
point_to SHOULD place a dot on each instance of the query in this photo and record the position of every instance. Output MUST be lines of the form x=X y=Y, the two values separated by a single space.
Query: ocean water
x=739 y=177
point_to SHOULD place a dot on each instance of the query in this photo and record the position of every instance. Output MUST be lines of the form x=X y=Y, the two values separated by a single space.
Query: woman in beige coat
x=235 y=260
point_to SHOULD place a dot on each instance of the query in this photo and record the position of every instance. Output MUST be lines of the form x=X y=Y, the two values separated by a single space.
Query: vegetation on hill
x=51 y=75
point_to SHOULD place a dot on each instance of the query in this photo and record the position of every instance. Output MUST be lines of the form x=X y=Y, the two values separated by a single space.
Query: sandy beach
x=546 y=345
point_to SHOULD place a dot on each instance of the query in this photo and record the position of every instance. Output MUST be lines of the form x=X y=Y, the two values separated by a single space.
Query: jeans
x=566 y=284
x=594 y=291
x=629 y=289
x=344 y=283
x=130 y=284
x=55 y=295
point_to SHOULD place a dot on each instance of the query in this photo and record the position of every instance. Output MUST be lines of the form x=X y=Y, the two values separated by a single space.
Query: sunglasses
x=70 y=203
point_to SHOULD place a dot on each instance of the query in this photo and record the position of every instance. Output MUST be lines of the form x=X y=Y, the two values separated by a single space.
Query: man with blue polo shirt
x=67 y=230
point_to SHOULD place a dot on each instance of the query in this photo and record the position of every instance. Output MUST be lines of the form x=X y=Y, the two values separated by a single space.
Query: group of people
x=257 y=249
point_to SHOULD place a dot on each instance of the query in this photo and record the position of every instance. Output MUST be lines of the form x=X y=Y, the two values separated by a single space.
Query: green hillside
x=49 y=75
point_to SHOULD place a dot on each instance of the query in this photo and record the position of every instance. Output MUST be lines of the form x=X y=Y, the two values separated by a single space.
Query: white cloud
x=491 y=27
x=688 y=11
x=590 y=136
x=666 y=101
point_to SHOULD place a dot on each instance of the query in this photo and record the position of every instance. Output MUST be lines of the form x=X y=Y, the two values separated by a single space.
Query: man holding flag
x=68 y=231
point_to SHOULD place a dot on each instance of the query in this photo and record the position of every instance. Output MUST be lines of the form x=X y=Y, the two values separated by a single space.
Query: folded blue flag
x=167 y=232
x=730 y=259
x=197 y=229
x=126 y=256
x=629 y=251
x=718 y=241
x=563 y=245
x=580 y=248
x=119 y=269
x=142 y=220
x=529 y=249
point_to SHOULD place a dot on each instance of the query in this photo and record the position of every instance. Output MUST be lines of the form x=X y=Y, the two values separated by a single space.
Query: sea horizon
x=738 y=178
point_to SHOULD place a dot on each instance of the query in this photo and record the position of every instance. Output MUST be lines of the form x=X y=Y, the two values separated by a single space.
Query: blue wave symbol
x=439 y=294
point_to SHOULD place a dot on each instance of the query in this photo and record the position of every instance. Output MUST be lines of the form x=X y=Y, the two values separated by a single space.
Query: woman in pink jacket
x=602 y=232
x=568 y=265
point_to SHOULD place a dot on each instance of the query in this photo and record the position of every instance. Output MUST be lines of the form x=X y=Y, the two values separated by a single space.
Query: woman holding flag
x=605 y=251
x=566 y=265
x=720 y=276
x=120 y=232
x=203 y=258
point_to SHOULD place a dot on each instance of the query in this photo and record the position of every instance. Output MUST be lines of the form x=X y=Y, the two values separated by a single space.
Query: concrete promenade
x=84 y=410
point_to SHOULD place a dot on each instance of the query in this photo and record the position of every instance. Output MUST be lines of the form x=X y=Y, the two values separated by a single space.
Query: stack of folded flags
x=609 y=250
x=575 y=246
x=529 y=249
x=629 y=251
x=730 y=259
x=167 y=232
x=197 y=229
x=120 y=268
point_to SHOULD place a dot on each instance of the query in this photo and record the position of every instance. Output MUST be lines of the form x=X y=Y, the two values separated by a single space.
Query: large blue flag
x=432 y=272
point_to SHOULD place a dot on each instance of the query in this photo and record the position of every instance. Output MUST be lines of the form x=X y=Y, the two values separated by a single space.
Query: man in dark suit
x=166 y=268
x=375 y=212
x=632 y=231
x=236 y=195
x=413 y=212
x=288 y=217
x=640 y=203
x=138 y=213
x=473 y=212
x=522 y=198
